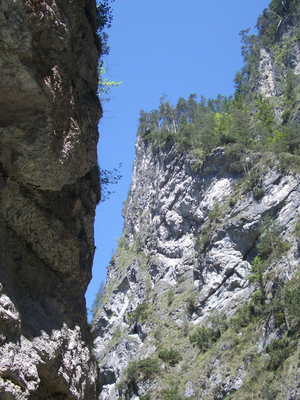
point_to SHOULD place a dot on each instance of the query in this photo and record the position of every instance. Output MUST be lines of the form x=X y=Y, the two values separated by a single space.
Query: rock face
x=48 y=192
x=274 y=65
x=190 y=233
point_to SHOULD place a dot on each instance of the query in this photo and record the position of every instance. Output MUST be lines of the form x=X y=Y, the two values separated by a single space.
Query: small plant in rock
x=139 y=371
x=270 y=242
x=203 y=238
x=279 y=351
x=258 y=267
x=204 y=337
x=292 y=303
x=145 y=397
x=117 y=333
x=232 y=201
x=139 y=314
x=170 y=297
x=158 y=334
x=171 y=394
x=258 y=193
x=214 y=213
x=297 y=229
x=243 y=316
x=181 y=279
x=191 y=303
x=268 y=393
x=172 y=356
x=144 y=369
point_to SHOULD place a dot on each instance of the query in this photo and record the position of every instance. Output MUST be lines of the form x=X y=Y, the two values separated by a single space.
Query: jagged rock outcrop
x=48 y=135
x=276 y=62
x=190 y=233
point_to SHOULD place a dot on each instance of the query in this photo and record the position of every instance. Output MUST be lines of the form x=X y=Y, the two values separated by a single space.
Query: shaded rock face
x=48 y=135
x=189 y=236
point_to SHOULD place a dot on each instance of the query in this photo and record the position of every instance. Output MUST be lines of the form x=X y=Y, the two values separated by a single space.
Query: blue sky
x=160 y=46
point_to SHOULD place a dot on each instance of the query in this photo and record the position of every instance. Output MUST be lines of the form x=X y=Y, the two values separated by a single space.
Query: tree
x=167 y=115
x=192 y=107
x=106 y=178
x=265 y=112
x=185 y=132
x=258 y=267
x=270 y=242
x=292 y=132
x=104 y=19
x=97 y=301
x=104 y=85
x=181 y=107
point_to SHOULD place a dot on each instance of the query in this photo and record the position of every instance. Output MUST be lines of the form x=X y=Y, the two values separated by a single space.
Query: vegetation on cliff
x=248 y=119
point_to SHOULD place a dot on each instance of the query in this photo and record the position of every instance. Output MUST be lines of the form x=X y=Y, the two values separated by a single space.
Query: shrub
x=268 y=393
x=181 y=279
x=171 y=394
x=243 y=317
x=172 y=356
x=142 y=369
x=145 y=397
x=158 y=334
x=259 y=193
x=232 y=201
x=204 y=337
x=139 y=314
x=279 y=351
x=191 y=302
x=292 y=303
x=170 y=297
x=214 y=212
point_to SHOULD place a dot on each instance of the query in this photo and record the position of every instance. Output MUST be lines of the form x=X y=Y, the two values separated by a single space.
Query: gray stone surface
x=48 y=135
x=169 y=205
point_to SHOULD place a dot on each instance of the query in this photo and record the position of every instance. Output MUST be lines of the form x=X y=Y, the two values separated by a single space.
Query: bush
x=205 y=337
x=139 y=314
x=244 y=316
x=158 y=334
x=172 y=356
x=181 y=279
x=191 y=302
x=142 y=369
x=259 y=193
x=170 y=297
x=145 y=397
x=292 y=303
x=171 y=394
x=232 y=201
x=214 y=213
x=279 y=351
x=268 y=393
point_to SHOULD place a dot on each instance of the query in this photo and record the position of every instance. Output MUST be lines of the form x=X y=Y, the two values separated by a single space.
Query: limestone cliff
x=190 y=233
x=48 y=192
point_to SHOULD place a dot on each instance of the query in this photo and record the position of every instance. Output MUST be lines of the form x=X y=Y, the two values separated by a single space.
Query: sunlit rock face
x=48 y=134
x=273 y=66
x=190 y=233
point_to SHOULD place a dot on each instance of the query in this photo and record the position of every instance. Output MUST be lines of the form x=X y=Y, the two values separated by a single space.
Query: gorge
x=202 y=294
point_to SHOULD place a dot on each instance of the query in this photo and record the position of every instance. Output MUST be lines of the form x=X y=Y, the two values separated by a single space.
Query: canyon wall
x=190 y=234
x=49 y=188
